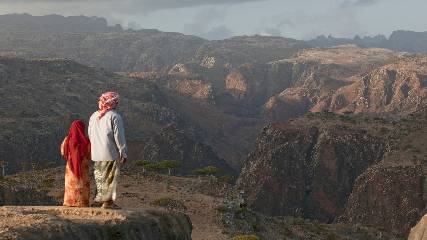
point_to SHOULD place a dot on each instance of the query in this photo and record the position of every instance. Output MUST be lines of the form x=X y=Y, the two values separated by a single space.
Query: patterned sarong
x=106 y=174
x=77 y=190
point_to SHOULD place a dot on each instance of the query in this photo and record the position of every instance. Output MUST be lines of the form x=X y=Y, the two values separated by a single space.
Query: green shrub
x=169 y=165
x=142 y=163
x=246 y=237
x=227 y=179
x=169 y=203
x=162 y=165
x=209 y=170
x=152 y=167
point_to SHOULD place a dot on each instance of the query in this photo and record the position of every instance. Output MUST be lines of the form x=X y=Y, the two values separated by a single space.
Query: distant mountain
x=55 y=24
x=330 y=41
x=90 y=41
x=403 y=41
x=408 y=41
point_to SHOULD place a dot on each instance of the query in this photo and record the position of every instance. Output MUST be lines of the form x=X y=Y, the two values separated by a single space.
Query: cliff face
x=349 y=168
x=86 y=223
x=398 y=87
x=307 y=169
x=175 y=144
x=387 y=197
x=392 y=194
x=317 y=74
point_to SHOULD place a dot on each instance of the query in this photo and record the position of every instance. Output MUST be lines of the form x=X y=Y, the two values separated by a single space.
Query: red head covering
x=76 y=146
x=107 y=101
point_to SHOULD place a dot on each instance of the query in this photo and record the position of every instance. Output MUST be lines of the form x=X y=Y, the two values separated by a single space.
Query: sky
x=219 y=19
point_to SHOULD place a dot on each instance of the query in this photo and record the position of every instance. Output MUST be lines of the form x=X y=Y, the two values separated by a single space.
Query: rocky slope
x=175 y=144
x=244 y=222
x=351 y=80
x=388 y=197
x=41 y=97
x=399 y=180
x=308 y=167
x=86 y=223
x=349 y=168
x=398 y=87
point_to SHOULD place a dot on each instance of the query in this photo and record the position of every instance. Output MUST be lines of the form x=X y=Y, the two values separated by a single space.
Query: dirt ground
x=137 y=190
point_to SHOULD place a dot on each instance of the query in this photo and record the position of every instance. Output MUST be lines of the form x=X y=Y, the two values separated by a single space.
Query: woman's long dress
x=77 y=191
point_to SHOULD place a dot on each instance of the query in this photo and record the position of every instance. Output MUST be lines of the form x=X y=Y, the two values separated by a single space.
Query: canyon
x=320 y=131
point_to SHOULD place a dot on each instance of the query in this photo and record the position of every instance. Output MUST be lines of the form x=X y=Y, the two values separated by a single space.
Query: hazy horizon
x=221 y=19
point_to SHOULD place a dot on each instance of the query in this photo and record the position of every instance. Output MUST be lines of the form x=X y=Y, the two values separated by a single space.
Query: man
x=108 y=144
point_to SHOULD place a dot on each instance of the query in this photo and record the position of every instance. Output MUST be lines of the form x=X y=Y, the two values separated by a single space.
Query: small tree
x=169 y=165
x=152 y=167
x=143 y=164
x=209 y=170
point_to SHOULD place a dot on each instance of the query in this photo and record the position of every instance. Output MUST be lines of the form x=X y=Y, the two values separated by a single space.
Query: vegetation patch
x=169 y=203
x=246 y=237
x=209 y=170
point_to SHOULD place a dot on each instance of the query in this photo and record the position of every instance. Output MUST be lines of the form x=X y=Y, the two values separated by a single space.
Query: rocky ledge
x=91 y=223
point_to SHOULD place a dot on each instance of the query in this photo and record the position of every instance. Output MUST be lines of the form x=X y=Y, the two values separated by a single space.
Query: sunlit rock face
x=86 y=223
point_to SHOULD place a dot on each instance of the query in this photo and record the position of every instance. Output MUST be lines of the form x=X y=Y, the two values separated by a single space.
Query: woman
x=76 y=150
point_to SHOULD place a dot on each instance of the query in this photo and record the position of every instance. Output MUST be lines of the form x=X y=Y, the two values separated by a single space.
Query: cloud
x=136 y=6
x=209 y=24
x=274 y=32
x=218 y=33
x=358 y=3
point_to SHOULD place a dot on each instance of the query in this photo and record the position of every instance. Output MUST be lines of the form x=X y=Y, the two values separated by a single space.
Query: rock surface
x=307 y=168
x=89 y=223
x=387 y=197
x=419 y=232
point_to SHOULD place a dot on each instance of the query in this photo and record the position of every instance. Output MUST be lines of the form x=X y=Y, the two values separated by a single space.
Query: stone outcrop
x=419 y=232
x=90 y=223
x=236 y=85
x=390 y=198
x=307 y=168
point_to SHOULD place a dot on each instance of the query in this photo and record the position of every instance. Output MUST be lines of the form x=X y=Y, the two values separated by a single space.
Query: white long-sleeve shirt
x=107 y=136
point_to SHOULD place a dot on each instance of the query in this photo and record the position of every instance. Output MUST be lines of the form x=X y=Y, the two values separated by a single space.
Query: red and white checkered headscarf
x=107 y=101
